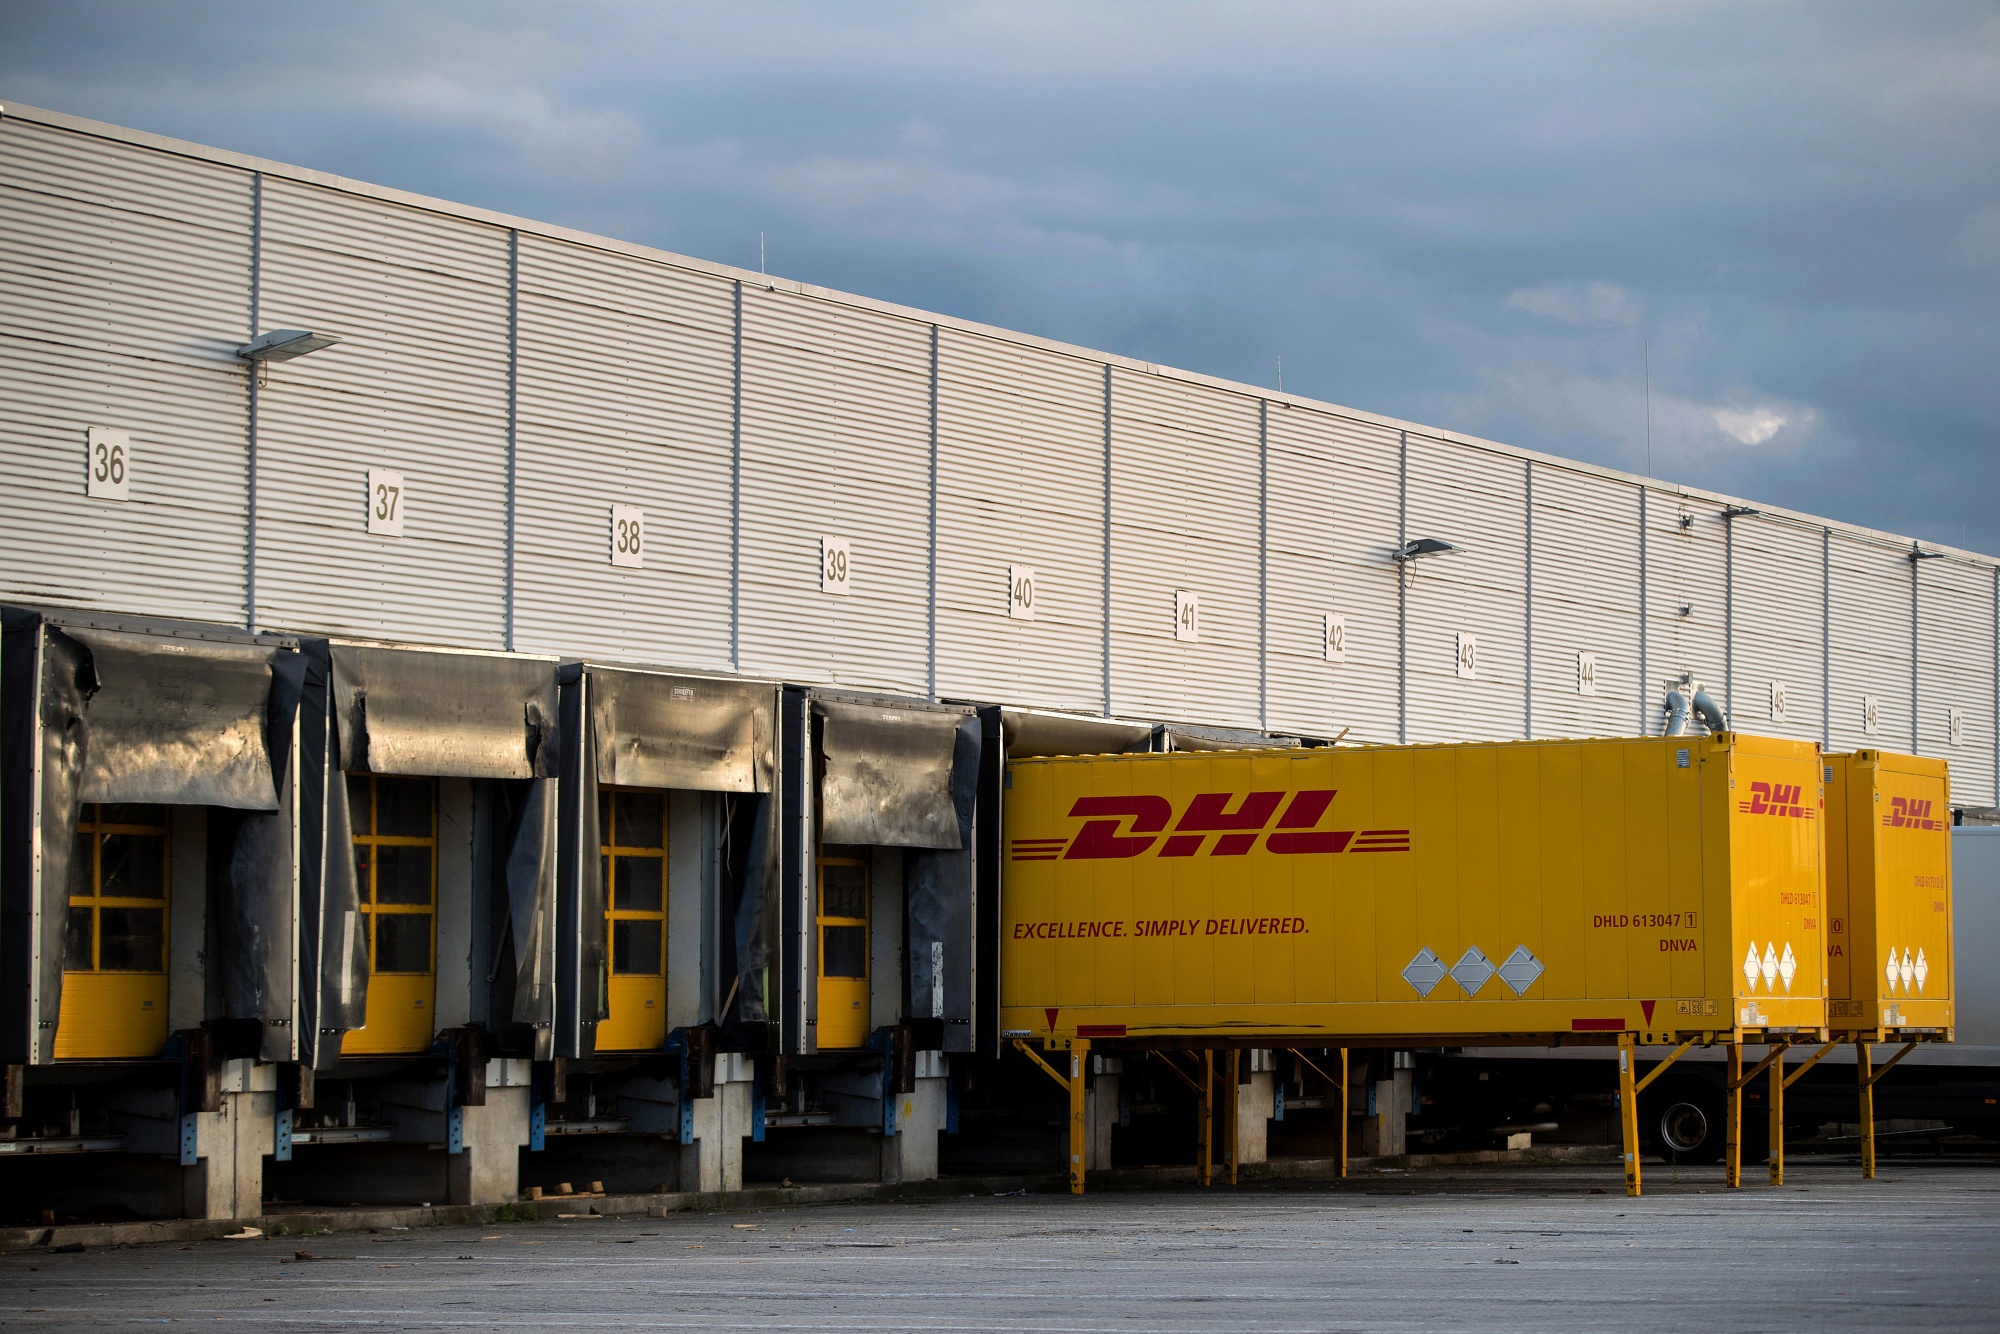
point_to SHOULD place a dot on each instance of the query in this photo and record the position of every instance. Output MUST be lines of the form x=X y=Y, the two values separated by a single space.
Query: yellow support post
x=1205 y=1137
x=1079 y=1128
x=1628 y=1113
x=1343 y=1111
x=1232 y=1106
x=1863 y=1058
x=1732 y=1120
x=1778 y=1117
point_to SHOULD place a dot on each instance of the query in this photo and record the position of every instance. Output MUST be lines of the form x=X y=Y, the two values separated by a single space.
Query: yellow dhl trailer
x=1888 y=886
x=1890 y=958
x=1574 y=890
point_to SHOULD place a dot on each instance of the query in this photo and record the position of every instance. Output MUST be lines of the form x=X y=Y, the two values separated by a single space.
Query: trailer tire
x=1684 y=1122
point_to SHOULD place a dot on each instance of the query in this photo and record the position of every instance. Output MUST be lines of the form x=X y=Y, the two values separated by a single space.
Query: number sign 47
x=385 y=502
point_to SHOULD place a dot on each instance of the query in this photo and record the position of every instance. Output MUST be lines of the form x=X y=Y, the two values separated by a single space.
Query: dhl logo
x=1911 y=813
x=1775 y=799
x=1132 y=826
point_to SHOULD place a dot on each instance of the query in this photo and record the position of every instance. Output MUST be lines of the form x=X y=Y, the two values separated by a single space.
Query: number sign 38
x=628 y=537
x=385 y=502
x=108 y=463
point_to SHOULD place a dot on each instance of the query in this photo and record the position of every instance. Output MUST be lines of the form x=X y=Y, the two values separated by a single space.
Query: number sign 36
x=385 y=502
x=108 y=463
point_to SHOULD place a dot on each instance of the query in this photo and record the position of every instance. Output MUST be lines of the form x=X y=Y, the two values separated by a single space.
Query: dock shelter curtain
x=156 y=718
x=443 y=714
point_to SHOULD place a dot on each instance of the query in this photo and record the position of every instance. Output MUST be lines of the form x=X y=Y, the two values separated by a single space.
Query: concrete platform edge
x=310 y=1222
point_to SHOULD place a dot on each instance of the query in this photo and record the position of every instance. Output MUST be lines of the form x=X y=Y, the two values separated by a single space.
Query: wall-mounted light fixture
x=1917 y=553
x=1740 y=512
x=284 y=344
x=1419 y=547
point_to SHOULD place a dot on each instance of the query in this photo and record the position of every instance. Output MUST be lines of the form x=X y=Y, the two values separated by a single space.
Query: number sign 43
x=107 y=463
x=385 y=502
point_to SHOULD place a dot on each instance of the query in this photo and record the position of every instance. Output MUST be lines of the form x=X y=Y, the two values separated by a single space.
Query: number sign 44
x=385 y=502
x=107 y=463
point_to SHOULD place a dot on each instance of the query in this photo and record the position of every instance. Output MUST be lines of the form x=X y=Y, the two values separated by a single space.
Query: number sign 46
x=385 y=502
x=107 y=463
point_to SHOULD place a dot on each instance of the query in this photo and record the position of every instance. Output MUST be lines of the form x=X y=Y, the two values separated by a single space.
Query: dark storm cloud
x=1470 y=215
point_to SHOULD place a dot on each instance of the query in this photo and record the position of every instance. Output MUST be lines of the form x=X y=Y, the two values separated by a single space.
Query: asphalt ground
x=1480 y=1250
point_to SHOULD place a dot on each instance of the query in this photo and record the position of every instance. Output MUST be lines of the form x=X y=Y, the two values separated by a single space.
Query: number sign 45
x=107 y=463
x=385 y=502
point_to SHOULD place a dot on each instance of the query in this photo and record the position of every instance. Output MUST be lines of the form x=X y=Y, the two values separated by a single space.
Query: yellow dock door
x=842 y=920
x=114 y=996
x=633 y=826
x=395 y=864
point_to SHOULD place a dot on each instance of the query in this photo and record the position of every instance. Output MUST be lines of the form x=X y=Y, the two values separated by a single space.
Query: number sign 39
x=833 y=566
x=108 y=463
x=385 y=502
x=628 y=537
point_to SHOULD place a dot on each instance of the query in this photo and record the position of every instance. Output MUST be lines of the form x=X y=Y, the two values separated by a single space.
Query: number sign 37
x=385 y=502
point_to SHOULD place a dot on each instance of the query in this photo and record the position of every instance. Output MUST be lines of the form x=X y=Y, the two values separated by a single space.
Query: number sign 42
x=385 y=502
x=107 y=463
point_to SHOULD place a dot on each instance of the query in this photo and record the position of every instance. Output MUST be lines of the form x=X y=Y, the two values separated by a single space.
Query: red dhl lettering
x=1220 y=824
x=1911 y=813
x=1162 y=928
x=1780 y=799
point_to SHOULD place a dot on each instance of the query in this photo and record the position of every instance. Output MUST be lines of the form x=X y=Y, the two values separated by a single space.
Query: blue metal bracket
x=677 y=1044
x=190 y=1139
x=884 y=1041
x=757 y=1112
x=454 y=1130
x=538 y=1126
x=1278 y=1103
x=281 y=1142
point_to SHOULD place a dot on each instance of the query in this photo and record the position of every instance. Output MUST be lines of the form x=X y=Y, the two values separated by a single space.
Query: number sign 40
x=385 y=502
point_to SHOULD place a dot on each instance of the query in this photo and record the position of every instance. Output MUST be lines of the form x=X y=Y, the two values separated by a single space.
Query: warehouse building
x=483 y=699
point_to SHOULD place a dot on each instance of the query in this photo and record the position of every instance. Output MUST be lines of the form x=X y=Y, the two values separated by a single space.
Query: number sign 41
x=385 y=502
x=107 y=463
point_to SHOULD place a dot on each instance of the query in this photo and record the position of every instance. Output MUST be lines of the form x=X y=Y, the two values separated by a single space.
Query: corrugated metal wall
x=1020 y=483
x=625 y=397
x=1775 y=586
x=1586 y=601
x=836 y=443
x=418 y=386
x=1184 y=516
x=124 y=293
x=1687 y=604
x=1955 y=672
x=1870 y=622
x=523 y=383
x=1331 y=534
x=1478 y=500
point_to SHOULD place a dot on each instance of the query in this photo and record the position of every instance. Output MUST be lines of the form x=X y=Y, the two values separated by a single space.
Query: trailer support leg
x=1628 y=1112
x=1863 y=1056
x=1777 y=1096
x=1205 y=1138
x=1232 y=1108
x=1343 y=1112
x=1079 y=1053
x=1079 y=1127
x=1732 y=1120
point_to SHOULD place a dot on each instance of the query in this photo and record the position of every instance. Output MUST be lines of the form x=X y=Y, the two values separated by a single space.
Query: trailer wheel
x=1684 y=1121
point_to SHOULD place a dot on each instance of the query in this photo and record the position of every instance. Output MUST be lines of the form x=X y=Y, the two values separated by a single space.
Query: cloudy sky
x=1478 y=215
